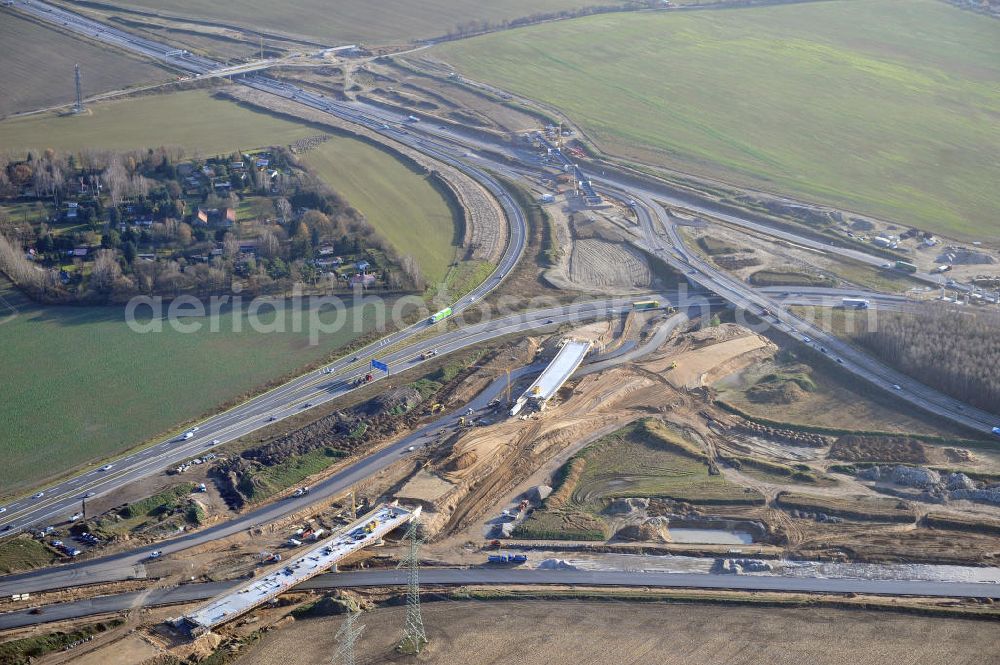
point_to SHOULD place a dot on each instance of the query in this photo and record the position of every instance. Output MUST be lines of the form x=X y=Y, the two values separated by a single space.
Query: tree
x=267 y=244
x=230 y=246
x=111 y=240
x=184 y=234
x=284 y=209
x=106 y=272
x=129 y=251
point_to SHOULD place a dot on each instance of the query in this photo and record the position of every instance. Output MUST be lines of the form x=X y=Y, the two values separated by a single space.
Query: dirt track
x=573 y=632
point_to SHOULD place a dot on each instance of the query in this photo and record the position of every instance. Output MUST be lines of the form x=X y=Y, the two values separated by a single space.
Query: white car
x=75 y=516
x=2 y=509
x=89 y=494
x=896 y=386
x=155 y=555
x=411 y=449
x=107 y=467
x=39 y=495
x=215 y=442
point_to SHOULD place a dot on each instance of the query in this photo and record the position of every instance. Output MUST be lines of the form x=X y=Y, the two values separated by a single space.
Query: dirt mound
x=900 y=449
x=400 y=399
x=780 y=393
x=964 y=257
x=463 y=461
x=652 y=530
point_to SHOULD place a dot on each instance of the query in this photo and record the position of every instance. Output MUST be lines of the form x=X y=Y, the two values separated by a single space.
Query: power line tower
x=348 y=635
x=414 y=637
x=79 y=93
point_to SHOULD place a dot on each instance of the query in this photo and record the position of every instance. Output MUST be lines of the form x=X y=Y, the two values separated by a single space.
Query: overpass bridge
x=361 y=533
x=554 y=376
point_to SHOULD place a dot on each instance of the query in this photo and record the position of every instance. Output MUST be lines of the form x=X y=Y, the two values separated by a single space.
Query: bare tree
x=106 y=272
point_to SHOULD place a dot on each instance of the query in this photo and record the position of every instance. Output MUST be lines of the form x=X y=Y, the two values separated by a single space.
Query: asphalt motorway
x=499 y=576
x=132 y=564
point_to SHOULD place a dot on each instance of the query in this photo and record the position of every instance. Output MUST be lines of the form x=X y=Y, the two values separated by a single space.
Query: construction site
x=498 y=491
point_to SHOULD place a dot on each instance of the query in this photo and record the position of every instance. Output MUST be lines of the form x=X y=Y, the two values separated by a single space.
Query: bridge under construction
x=554 y=376
x=361 y=533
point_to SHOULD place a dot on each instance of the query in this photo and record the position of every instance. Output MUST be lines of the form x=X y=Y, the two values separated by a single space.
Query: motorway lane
x=746 y=298
x=128 y=565
x=283 y=402
x=63 y=499
x=488 y=576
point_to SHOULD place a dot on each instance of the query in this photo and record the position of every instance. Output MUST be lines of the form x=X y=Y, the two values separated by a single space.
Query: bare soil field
x=575 y=632
x=38 y=64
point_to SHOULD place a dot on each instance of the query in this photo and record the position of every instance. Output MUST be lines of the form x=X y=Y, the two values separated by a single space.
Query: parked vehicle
x=507 y=559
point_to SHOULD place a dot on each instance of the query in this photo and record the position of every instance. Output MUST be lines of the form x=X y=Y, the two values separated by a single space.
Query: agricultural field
x=355 y=20
x=113 y=388
x=38 y=64
x=584 y=633
x=193 y=119
x=401 y=203
x=887 y=107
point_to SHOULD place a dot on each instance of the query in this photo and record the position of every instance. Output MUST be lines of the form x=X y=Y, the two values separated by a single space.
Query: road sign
x=377 y=364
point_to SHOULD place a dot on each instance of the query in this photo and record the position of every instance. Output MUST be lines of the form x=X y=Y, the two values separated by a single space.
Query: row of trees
x=955 y=351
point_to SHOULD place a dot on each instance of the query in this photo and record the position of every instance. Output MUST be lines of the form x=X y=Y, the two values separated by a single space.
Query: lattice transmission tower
x=78 y=108
x=414 y=637
x=348 y=635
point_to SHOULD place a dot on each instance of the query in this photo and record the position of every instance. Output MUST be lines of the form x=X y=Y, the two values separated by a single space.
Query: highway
x=670 y=247
x=430 y=577
x=131 y=564
x=660 y=237
x=63 y=499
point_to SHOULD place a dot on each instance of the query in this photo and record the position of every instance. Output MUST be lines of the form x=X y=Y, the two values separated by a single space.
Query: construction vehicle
x=673 y=365
x=294 y=542
x=437 y=407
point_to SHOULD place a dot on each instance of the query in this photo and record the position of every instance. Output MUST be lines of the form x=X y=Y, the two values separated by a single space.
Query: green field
x=80 y=385
x=37 y=69
x=889 y=107
x=400 y=203
x=357 y=20
x=193 y=120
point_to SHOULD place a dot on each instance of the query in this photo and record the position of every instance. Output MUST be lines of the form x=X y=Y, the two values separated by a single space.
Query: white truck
x=856 y=303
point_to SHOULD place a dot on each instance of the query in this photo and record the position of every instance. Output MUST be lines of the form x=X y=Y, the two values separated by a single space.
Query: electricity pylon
x=414 y=637
x=348 y=635
x=78 y=107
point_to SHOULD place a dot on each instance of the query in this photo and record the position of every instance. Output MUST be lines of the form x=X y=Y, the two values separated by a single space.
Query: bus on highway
x=443 y=314
x=646 y=304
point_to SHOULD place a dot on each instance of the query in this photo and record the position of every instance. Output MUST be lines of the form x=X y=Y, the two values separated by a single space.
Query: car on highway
x=896 y=386
x=75 y=516
x=89 y=494
x=107 y=467
x=2 y=509
x=39 y=495
x=807 y=340
x=547 y=321
x=156 y=554
x=307 y=405
x=996 y=430
x=186 y=436
x=410 y=449
x=215 y=442
x=271 y=419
